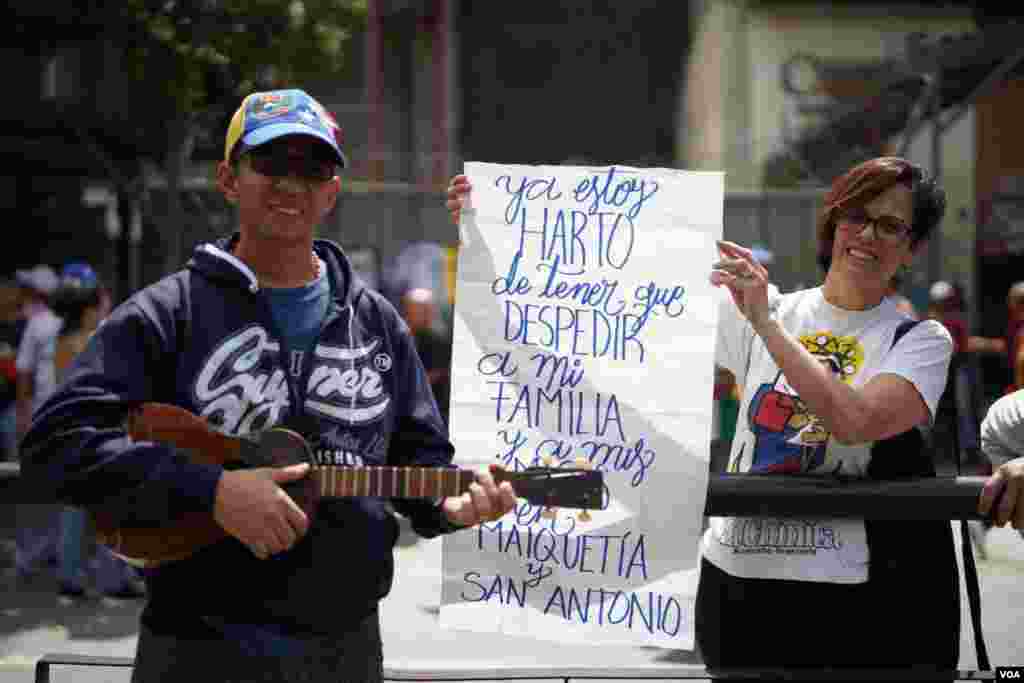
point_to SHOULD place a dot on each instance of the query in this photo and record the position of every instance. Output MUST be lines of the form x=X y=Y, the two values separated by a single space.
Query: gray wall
x=784 y=223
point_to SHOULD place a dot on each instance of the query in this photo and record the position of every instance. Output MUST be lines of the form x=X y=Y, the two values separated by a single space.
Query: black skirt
x=905 y=616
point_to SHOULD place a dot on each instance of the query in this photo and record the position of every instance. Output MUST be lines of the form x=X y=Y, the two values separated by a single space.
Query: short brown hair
x=867 y=180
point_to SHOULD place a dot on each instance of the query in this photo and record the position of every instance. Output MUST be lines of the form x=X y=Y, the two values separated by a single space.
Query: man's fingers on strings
x=297 y=519
x=284 y=536
x=486 y=480
x=481 y=503
x=508 y=494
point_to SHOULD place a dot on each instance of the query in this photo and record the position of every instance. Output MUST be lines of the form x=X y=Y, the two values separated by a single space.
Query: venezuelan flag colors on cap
x=78 y=275
x=266 y=116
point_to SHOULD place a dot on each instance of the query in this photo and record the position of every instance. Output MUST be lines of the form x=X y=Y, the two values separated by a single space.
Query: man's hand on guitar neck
x=484 y=502
x=251 y=506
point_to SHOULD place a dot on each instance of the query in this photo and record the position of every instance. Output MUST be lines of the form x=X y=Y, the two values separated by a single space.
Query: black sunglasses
x=275 y=162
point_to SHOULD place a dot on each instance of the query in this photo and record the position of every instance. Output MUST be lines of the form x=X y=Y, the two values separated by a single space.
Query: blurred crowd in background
x=46 y=320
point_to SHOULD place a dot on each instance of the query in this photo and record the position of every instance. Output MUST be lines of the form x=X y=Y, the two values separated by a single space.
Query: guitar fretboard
x=392 y=482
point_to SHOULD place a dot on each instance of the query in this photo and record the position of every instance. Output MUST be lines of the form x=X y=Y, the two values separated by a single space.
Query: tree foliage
x=188 y=56
x=180 y=67
x=196 y=53
x=191 y=61
x=191 y=54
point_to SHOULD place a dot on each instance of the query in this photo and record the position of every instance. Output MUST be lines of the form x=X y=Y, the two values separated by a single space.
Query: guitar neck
x=391 y=482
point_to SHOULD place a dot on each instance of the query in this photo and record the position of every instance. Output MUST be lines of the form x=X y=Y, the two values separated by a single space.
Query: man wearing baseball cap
x=38 y=531
x=268 y=327
x=39 y=281
x=37 y=285
x=267 y=116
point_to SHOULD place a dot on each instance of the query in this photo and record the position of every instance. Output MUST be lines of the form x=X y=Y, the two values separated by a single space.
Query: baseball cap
x=40 y=278
x=78 y=276
x=941 y=291
x=266 y=116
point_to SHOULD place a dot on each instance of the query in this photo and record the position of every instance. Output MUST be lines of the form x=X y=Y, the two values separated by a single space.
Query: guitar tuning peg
x=548 y=513
x=584 y=516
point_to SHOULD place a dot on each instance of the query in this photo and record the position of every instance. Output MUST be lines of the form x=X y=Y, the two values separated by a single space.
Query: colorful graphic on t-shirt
x=788 y=438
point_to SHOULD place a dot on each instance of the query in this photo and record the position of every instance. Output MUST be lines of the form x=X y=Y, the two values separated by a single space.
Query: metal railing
x=571 y=675
x=740 y=495
x=746 y=495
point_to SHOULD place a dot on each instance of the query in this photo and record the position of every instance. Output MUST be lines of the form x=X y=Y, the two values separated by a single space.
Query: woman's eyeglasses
x=276 y=162
x=886 y=227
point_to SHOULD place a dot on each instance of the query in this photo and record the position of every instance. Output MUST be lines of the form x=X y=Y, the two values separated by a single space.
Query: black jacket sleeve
x=420 y=437
x=77 y=450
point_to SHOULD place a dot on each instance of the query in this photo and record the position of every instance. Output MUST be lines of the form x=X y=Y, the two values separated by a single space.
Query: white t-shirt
x=36 y=353
x=775 y=432
x=1002 y=430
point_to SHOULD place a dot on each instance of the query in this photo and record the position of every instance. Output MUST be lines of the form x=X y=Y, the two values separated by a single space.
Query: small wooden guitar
x=278 y=447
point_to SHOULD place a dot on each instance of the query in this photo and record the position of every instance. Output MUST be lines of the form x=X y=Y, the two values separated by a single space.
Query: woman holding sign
x=834 y=381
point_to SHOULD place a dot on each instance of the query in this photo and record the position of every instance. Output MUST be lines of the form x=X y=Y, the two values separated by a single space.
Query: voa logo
x=1009 y=673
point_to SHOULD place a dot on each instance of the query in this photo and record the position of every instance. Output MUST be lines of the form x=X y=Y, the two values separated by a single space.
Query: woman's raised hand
x=745 y=278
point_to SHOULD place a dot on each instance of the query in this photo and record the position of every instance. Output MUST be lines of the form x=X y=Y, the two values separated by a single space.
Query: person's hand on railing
x=1006 y=485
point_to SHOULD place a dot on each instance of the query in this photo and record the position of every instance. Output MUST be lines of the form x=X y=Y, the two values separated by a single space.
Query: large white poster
x=584 y=334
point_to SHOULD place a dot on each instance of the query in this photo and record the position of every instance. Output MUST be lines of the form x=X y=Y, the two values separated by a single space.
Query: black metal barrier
x=750 y=495
x=741 y=495
x=571 y=675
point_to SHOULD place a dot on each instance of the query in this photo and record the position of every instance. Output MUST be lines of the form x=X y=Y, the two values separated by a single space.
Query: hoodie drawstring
x=352 y=360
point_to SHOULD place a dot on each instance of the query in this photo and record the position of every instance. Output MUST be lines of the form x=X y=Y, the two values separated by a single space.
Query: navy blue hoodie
x=204 y=339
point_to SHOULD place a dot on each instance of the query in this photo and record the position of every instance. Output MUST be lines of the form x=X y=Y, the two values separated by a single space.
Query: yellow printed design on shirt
x=844 y=356
x=788 y=438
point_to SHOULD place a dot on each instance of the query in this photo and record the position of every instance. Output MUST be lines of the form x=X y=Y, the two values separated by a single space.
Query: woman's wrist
x=765 y=319
x=765 y=323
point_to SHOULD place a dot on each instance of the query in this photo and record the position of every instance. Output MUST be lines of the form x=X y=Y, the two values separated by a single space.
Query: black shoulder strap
x=902 y=329
x=903 y=455
x=966 y=547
